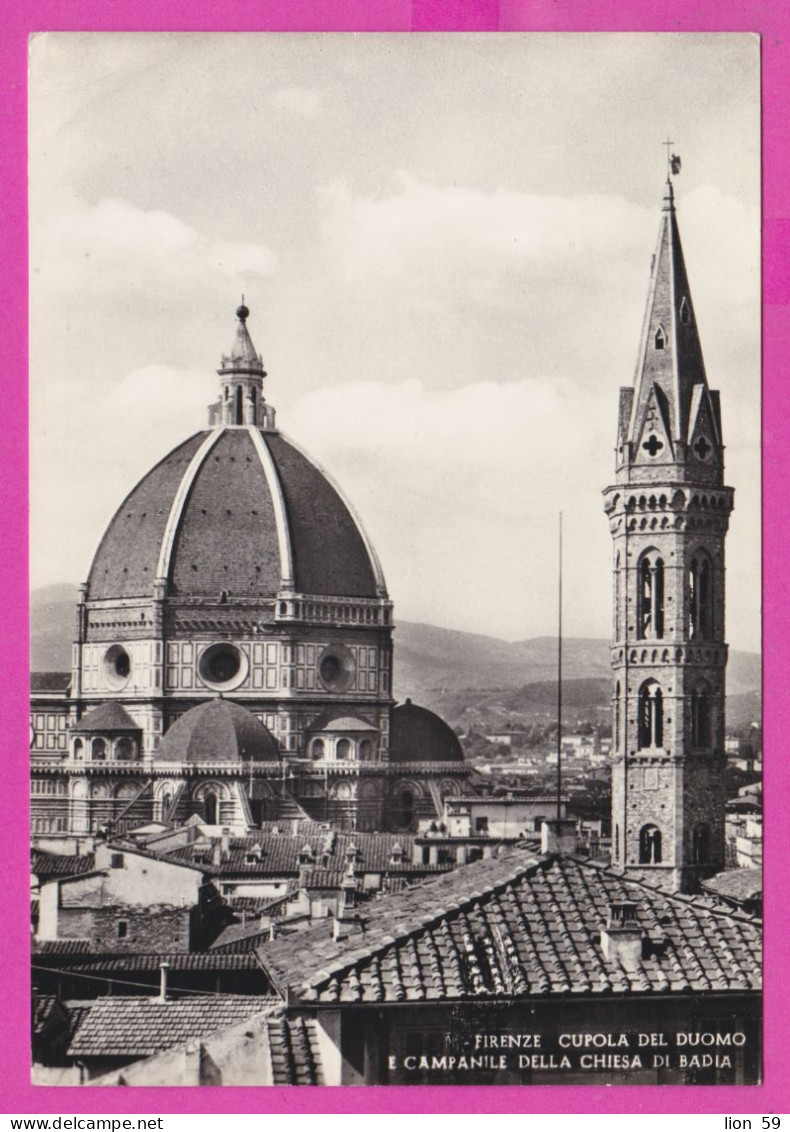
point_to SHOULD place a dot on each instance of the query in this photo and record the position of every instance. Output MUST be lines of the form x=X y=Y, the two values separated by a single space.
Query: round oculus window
x=117 y=666
x=336 y=668
x=222 y=666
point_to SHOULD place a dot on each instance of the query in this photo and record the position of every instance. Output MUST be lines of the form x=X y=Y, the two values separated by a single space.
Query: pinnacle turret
x=241 y=374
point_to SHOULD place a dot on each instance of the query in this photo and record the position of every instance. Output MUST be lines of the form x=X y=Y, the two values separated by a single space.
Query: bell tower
x=668 y=515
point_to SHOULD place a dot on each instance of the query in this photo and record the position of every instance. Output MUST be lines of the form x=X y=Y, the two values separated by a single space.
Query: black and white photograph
x=395 y=559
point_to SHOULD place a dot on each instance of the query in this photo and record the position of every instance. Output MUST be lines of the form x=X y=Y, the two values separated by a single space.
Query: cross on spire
x=668 y=143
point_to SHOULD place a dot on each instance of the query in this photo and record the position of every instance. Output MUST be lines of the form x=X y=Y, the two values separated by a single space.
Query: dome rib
x=280 y=511
x=179 y=502
x=378 y=573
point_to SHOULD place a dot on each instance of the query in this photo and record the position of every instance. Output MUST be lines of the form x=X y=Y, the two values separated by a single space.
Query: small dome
x=218 y=732
x=332 y=721
x=104 y=719
x=420 y=736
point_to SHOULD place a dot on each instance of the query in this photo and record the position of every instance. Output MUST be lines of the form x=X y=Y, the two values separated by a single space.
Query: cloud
x=299 y=100
x=113 y=245
x=460 y=491
x=424 y=224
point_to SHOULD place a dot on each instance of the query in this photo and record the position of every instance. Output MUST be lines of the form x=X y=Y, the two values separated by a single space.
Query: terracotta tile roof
x=110 y=716
x=288 y=1047
x=49 y=681
x=43 y=1006
x=518 y=925
x=61 y=947
x=46 y=865
x=294 y=1050
x=237 y=938
x=185 y=961
x=279 y=853
x=138 y=1027
x=736 y=884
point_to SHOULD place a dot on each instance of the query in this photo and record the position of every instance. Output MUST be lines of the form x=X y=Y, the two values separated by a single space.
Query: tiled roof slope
x=330 y=556
x=218 y=731
x=104 y=964
x=227 y=537
x=286 y=1050
x=125 y=563
x=519 y=926
x=119 y=1026
x=736 y=884
x=46 y=865
x=280 y=852
x=49 y=681
x=111 y=716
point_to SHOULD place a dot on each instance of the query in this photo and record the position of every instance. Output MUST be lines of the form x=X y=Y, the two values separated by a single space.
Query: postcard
x=395 y=560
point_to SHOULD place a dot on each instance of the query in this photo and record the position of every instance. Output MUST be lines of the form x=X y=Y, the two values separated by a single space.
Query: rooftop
x=519 y=925
x=119 y=1026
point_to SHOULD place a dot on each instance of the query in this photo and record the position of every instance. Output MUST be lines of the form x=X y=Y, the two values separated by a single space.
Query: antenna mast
x=559 y=682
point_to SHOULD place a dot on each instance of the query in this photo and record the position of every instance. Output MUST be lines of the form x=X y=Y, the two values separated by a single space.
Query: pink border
x=772 y=21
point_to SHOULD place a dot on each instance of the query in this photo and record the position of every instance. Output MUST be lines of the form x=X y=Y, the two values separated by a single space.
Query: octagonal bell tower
x=668 y=514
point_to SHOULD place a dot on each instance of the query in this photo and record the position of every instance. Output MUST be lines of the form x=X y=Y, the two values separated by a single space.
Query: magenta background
x=770 y=18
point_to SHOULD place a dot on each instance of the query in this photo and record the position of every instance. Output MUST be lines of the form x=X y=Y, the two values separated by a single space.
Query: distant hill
x=52 y=627
x=448 y=670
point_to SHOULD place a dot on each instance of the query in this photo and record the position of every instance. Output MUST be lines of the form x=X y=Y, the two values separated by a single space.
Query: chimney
x=164 y=967
x=623 y=938
x=558 y=835
x=347 y=920
x=225 y=840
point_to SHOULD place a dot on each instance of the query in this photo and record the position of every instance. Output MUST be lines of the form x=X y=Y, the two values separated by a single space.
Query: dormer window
x=685 y=312
x=660 y=339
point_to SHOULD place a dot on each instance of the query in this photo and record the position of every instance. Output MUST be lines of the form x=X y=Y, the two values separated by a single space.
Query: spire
x=661 y=415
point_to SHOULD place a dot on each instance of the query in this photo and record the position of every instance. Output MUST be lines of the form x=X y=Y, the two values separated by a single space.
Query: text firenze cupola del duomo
x=668 y=513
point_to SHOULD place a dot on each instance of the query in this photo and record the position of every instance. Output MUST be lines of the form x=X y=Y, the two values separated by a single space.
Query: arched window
x=406 y=808
x=649 y=845
x=98 y=750
x=211 y=808
x=700 y=595
x=651 y=715
x=318 y=749
x=167 y=802
x=343 y=749
x=124 y=748
x=700 y=716
x=238 y=419
x=366 y=750
x=700 y=844
x=78 y=748
x=650 y=597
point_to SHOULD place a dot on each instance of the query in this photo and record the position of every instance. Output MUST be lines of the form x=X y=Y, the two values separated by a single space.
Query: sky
x=444 y=241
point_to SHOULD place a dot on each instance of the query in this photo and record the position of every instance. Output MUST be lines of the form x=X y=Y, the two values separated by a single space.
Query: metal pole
x=559 y=682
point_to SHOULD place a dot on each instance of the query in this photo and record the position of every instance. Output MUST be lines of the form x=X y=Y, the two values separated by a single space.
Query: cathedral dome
x=218 y=732
x=235 y=511
x=420 y=736
x=240 y=512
